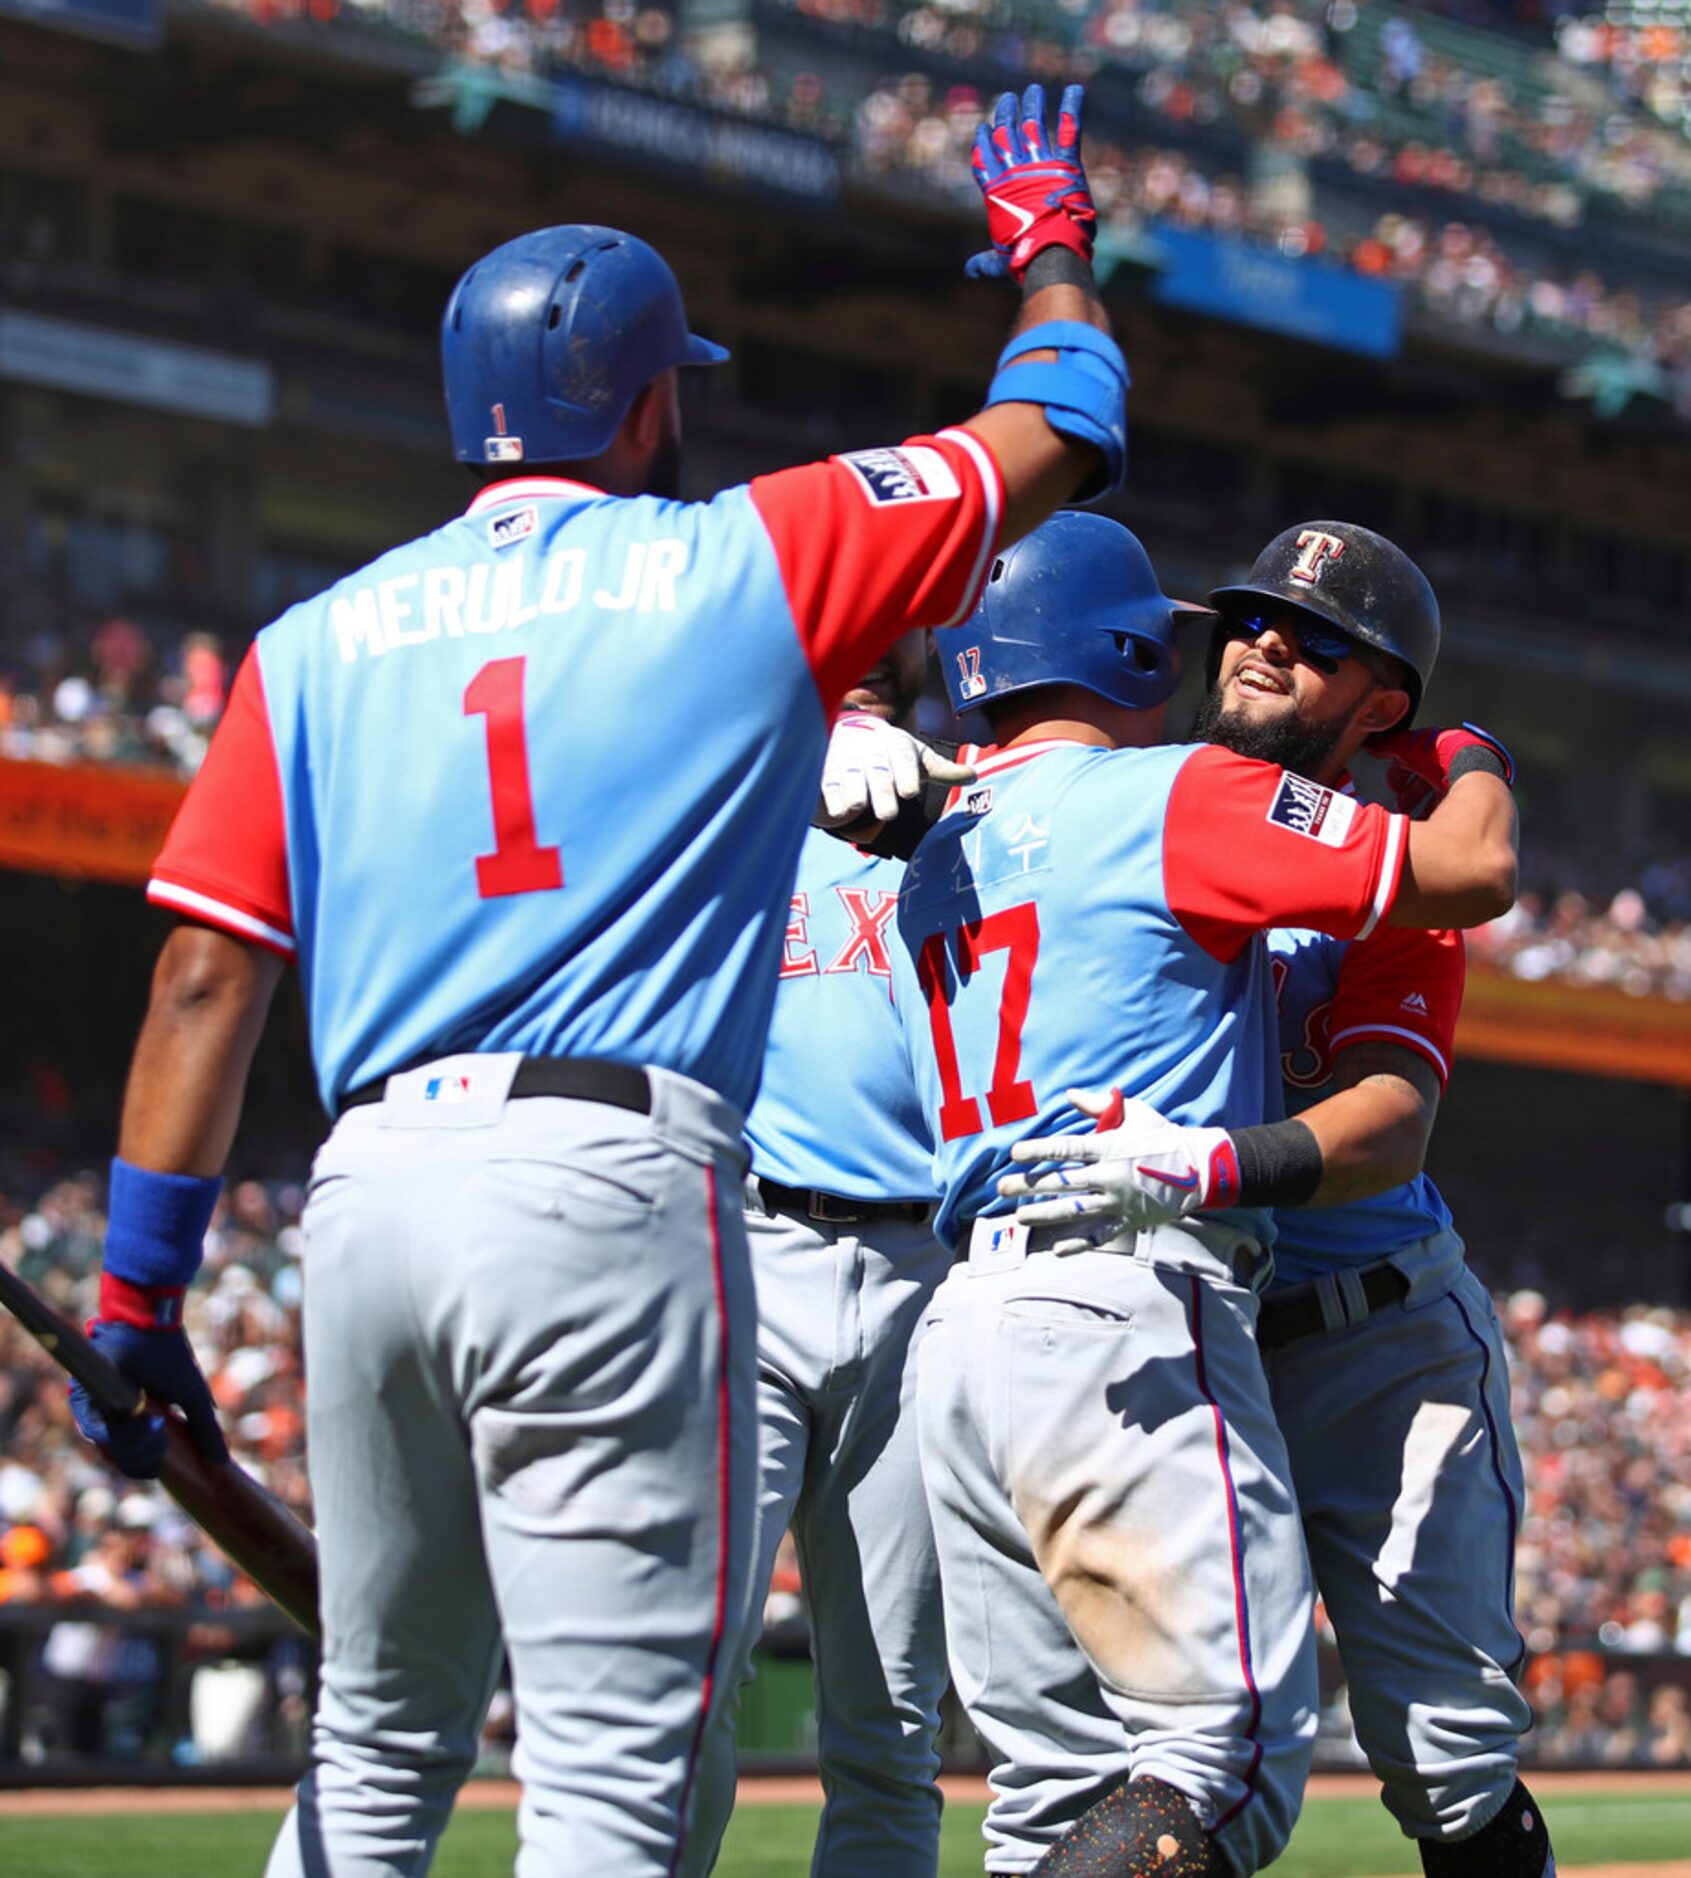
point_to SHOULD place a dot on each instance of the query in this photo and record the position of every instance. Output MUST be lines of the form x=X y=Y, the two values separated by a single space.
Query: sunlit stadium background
x=1422 y=267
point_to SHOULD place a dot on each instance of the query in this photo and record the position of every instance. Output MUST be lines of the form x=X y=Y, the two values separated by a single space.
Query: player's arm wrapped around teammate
x=876 y=776
x=1137 y=1169
x=873 y=768
x=154 y=1237
x=1037 y=200
x=1422 y=764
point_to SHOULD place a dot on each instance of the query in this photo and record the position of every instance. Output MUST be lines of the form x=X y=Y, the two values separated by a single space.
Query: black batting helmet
x=1350 y=578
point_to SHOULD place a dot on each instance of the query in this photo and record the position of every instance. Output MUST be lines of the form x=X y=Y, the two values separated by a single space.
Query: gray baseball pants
x=1126 y=1586
x=840 y=1310
x=529 y=1333
x=1406 y=1468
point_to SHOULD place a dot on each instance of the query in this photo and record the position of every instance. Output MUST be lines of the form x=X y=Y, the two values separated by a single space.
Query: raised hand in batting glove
x=1422 y=764
x=140 y=1329
x=1036 y=192
x=873 y=766
x=1135 y=1171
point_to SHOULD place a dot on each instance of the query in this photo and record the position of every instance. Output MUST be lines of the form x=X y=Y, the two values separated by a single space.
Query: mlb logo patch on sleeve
x=913 y=474
x=1308 y=809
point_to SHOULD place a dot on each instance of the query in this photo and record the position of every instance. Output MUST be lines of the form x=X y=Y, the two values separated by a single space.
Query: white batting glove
x=1136 y=1171
x=872 y=766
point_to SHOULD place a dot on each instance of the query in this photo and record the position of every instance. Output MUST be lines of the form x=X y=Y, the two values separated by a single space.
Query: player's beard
x=663 y=473
x=1306 y=749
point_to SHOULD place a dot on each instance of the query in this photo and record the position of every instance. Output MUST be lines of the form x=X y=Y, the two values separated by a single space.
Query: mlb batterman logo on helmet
x=1351 y=578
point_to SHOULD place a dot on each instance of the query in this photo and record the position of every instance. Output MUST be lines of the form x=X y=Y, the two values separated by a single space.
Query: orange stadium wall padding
x=86 y=821
x=1589 y=1030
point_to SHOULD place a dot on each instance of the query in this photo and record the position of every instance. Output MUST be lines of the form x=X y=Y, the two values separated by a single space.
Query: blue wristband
x=156 y=1224
x=1083 y=390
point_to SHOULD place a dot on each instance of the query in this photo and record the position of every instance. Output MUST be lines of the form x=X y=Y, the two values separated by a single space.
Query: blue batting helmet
x=1077 y=602
x=547 y=341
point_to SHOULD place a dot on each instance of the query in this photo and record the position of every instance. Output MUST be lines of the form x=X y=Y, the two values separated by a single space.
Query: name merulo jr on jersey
x=498 y=597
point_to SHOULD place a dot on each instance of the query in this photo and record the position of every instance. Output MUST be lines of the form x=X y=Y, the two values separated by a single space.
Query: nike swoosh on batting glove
x=1135 y=1171
x=1036 y=191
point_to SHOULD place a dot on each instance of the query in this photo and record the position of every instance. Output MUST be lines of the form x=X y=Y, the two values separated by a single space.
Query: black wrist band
x=1478 y=756
x=1057 y=267
x=1280 y=1163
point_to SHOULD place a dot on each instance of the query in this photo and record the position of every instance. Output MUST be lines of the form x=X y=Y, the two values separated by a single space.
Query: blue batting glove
x=134 y=1444
x=140 y=1329
x=1035 y=191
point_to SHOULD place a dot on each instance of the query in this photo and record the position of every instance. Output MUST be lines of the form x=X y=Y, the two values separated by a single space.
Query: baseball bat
x=251 y=1525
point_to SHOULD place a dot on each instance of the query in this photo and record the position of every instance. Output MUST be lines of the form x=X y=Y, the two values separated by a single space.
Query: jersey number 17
x=1009 y=1097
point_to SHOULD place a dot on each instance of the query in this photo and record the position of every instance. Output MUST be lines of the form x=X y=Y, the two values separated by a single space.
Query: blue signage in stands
x=1315 y=300
x=133 y=22
x=673 y=135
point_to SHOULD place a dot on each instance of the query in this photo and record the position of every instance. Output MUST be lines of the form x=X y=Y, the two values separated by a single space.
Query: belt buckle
x=828 y=1209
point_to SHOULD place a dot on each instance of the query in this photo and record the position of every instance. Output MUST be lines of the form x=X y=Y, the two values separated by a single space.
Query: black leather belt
x=622 y=1085
x=1284 y=1316
x=834 y=1209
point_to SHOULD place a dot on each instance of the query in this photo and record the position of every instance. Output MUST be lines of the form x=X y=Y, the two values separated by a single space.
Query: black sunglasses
x=1324 y=647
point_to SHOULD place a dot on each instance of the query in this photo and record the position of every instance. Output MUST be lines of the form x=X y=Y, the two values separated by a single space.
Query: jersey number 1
x=1010 y=1098
x=518 y=863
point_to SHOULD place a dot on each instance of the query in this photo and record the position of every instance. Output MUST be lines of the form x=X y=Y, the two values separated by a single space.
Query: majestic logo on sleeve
x=1315 y=549
x=1308 y=809
x=913 y=474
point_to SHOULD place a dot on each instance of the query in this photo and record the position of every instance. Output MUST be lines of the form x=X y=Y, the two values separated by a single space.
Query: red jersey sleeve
x=225 y=860
x=878 y=541
x=1401 y=986
x=1247 y=846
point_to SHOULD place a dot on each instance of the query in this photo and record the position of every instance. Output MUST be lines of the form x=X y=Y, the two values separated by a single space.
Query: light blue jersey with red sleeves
x=1398 y=986
x=837 y=1110
x=1087 y=918
x=538 y=781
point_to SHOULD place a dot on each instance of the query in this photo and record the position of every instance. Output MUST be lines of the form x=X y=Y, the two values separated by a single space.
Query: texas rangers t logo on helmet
x=1314 y=548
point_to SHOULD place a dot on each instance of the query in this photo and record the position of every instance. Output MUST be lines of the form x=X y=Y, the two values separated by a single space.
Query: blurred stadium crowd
x=1602 y=1404
x=79 y=1539
x=1457 y=156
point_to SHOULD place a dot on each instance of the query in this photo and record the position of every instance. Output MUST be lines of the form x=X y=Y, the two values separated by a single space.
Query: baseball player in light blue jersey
x=1100 y=1453
x=839 y=1212
x=539 y=968
x=1373 y=1321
